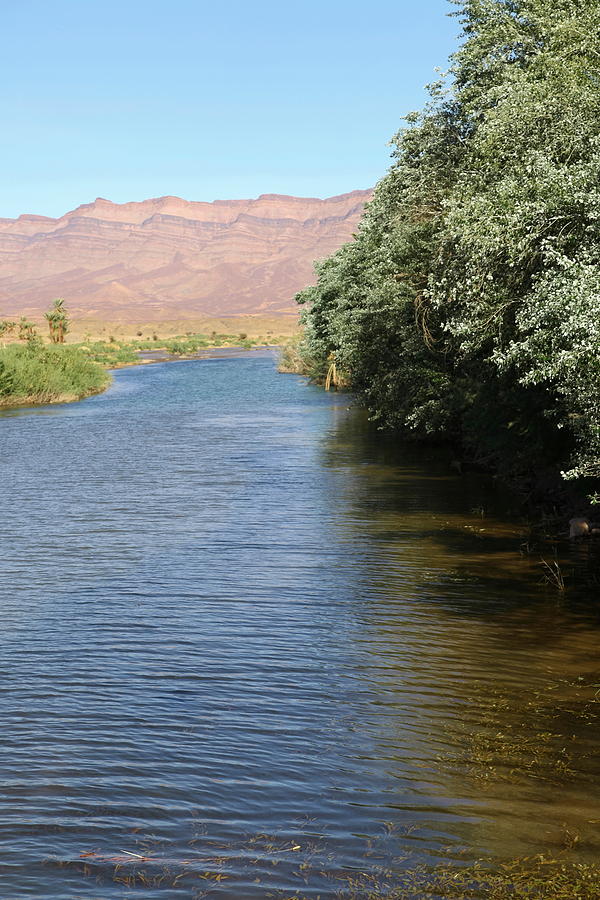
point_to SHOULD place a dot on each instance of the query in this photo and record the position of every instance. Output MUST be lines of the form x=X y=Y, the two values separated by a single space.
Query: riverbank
x=116 y=354
x=32 y=373
x=553 y=508
x=35 y=372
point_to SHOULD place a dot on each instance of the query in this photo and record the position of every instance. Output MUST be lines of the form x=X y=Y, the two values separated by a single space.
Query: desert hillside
x=170 y=258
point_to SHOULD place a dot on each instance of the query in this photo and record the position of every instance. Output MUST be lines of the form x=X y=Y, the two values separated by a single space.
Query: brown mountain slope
x=167 y=258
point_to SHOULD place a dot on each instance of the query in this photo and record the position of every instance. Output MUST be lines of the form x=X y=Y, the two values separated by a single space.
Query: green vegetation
x=291 y=357
x=35 y=373
x=32 y=372
x=537 y=878
x=527 y=879
x=26 y=329
x=117 y=353
x=58 y=321
x=468 y=306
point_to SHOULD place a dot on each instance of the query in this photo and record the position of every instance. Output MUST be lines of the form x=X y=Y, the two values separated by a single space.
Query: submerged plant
x=553 y=574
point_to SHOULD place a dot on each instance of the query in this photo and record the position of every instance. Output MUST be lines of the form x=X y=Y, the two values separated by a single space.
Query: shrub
x=38 y=374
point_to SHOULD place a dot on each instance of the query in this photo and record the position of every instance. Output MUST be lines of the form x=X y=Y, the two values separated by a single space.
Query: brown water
x=247 y=637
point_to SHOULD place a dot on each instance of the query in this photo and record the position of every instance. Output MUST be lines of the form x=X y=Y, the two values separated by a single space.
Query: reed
x=553 y=574
x=32 y=373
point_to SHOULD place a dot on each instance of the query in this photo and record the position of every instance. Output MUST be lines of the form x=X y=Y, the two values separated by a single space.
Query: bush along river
x=253 y=649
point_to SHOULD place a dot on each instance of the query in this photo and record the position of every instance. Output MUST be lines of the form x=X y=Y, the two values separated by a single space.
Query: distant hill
x=169 y=257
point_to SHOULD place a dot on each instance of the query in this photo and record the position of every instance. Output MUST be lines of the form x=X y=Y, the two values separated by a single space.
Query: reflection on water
x=252 y=648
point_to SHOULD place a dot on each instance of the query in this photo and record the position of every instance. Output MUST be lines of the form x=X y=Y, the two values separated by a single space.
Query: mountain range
x=168 y=257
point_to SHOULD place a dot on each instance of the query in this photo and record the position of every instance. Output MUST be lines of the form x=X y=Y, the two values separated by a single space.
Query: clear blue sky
x=129 y=99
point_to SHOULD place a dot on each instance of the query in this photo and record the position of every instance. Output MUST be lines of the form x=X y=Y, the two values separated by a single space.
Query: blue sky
x=127 y=99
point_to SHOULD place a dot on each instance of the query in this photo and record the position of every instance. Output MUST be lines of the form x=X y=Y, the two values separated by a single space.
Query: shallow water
x=248 y=637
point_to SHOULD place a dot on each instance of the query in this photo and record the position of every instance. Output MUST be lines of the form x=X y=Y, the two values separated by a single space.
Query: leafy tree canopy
x=468 y=306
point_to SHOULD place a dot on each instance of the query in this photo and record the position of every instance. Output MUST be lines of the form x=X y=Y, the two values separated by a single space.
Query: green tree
x=468 y=305
x=58 y=321
x=26 y=328
x=7 y=327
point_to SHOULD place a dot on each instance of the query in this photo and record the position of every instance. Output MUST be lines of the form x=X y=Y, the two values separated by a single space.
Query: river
x=252 y=648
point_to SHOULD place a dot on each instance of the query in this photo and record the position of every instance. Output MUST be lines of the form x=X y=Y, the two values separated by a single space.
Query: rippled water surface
x=250 y=639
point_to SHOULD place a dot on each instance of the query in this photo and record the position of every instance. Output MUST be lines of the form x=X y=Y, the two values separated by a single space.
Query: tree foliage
x=36 y=373
x=58 y=321
x=468 y=306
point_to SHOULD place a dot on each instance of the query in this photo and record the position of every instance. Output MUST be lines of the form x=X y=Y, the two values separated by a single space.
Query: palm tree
x=58 y=321
x=26 y=328
x=7 y=327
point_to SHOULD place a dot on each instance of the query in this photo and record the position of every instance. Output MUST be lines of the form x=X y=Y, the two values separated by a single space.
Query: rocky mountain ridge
x=168 y=257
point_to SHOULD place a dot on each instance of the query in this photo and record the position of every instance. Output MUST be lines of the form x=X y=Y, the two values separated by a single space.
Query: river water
x=272 y=653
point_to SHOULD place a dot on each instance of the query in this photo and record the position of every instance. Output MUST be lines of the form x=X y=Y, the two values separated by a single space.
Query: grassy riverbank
x=114 y=353
x=38 y=367
x=33 y=373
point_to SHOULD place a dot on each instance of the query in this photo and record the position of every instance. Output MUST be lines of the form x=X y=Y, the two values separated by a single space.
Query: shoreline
x=205 y=353
x=35 y=400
